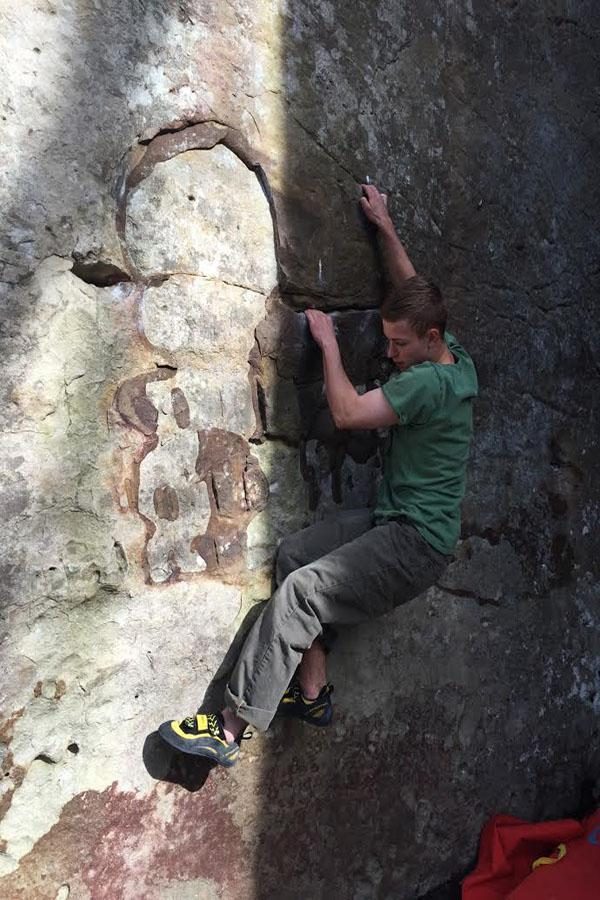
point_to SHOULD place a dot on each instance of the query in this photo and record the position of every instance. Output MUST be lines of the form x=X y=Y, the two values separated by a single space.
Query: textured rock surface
x=179 y=182
x=228 y=233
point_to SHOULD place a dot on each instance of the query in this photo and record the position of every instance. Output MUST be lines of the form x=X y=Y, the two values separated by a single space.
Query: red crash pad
x=521 y=860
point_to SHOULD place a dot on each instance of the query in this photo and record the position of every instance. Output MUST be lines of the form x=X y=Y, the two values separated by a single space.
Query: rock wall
x=179 y=182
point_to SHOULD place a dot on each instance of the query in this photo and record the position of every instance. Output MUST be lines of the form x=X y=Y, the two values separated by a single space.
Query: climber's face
x=405 y=347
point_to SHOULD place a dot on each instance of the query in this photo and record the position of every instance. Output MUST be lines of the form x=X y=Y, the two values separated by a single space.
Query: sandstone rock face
x=180 y=181
x=228 y=233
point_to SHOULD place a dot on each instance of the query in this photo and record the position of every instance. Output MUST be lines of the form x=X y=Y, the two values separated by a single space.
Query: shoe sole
x=196 y=749
x=318 y=723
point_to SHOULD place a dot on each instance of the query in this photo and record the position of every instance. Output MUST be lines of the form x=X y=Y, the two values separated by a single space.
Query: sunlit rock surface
x=228 y=233
x=180 y=181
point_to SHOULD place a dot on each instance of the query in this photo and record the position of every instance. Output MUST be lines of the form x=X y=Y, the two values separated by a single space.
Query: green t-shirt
x=424 y=470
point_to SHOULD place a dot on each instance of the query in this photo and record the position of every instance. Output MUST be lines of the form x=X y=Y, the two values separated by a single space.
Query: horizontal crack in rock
x=463 y=593
x=157 y=280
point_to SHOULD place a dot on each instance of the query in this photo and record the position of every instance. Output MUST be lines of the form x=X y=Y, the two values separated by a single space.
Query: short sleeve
x=414 y=395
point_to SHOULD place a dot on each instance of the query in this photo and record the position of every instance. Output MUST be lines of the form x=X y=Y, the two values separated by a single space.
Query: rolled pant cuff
x=253 y=715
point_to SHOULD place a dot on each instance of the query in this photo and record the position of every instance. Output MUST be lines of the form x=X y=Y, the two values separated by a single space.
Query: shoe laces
x=214 y=726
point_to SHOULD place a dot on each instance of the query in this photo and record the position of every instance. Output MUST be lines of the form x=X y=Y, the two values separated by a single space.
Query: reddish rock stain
x=9 y=770
x=116 y=844
x=7 y=726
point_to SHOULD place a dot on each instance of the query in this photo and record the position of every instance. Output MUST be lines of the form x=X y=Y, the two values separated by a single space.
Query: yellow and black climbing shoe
x=294 y=705
x=201 y=735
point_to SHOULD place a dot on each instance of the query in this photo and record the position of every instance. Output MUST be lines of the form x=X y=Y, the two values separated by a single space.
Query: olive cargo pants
x=338 y=572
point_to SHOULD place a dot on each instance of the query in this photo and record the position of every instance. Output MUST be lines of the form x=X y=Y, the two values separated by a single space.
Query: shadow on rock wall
x=444 y=710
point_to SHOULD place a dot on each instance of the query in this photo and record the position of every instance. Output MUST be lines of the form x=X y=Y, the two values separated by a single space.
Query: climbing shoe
x=201 y=735
x=294 y=705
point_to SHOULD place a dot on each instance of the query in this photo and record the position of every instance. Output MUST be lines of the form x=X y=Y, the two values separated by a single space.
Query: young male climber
x=366 y=562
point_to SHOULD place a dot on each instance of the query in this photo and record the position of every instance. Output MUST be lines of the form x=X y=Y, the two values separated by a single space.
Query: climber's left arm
x=348 y=408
